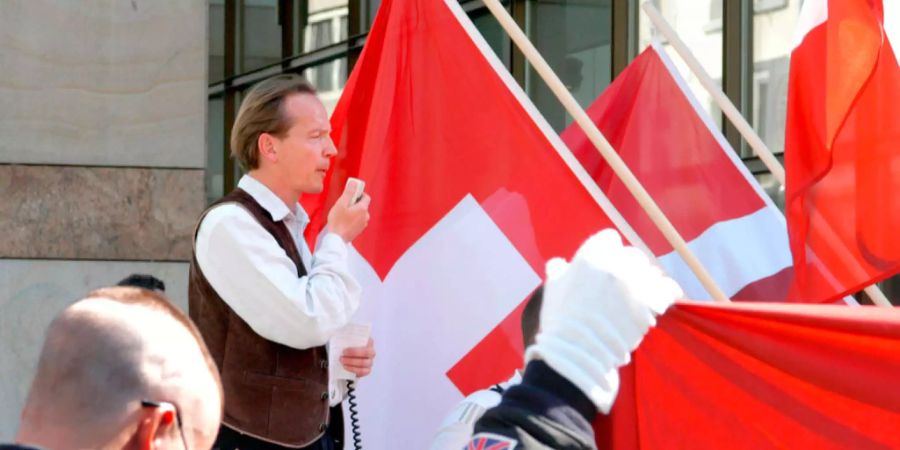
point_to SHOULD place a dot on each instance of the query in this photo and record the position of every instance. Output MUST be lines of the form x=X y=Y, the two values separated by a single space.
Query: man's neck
x=281 y=190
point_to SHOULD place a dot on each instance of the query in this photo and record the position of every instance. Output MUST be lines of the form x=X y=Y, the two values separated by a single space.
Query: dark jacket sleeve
x=545 y=411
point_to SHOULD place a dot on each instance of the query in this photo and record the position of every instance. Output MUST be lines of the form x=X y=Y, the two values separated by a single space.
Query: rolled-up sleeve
x=256 y=278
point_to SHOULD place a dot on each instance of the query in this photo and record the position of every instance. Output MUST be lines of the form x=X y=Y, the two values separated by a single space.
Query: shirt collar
x=270 y=202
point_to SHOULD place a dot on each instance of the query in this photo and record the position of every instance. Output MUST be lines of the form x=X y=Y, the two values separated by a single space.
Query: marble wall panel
x=64 y=212
x=103 y=82
x=32 y=292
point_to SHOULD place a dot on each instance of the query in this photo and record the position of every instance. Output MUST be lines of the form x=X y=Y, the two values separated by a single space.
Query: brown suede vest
x=272 y=392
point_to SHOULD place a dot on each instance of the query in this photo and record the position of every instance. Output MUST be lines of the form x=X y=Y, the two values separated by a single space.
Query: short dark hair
x=143 y=281
x=531 y=316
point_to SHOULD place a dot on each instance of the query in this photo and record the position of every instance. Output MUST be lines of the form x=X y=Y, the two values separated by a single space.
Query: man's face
x=305 y=152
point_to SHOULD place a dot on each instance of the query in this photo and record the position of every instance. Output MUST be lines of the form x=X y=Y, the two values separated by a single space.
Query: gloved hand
x=596 y=310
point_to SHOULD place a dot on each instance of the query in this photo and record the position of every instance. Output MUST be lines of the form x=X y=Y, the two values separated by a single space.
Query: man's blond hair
x=261 y=112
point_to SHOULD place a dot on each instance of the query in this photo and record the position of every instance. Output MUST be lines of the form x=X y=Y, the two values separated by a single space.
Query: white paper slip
x=351 y=335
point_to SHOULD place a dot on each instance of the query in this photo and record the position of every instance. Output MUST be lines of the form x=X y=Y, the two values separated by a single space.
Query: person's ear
x=266 y=144
x=154 y=425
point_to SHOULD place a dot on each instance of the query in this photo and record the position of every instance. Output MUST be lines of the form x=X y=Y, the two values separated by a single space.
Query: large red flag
x=842 y=146
x=761 y=376
x=471 y=194
x=658 y=128
x=764 y=376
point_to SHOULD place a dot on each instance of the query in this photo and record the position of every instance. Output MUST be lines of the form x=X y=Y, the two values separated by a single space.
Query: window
x=320 y=35
x=770 y=83
x=773 y=30
x=575 y=38
x=216 y=40
x=260 y=34
x=343 y=31
x=327 y=27
x=215 y=156
x=686 y=17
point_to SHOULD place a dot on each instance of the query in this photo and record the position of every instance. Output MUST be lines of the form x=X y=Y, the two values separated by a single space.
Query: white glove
x=595 y=312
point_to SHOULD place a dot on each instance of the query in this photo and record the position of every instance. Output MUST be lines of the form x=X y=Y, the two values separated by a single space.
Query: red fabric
x=688 y=173
x=760 y=376
x=425 y=120
x=678 y=162
x=842 y=152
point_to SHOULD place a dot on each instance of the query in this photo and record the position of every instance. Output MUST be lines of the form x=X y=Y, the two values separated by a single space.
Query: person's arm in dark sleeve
x=545 y=411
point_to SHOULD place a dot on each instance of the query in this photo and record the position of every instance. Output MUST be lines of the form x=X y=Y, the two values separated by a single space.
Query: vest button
x=323 y=363
x=325 y=395
x=322 y=427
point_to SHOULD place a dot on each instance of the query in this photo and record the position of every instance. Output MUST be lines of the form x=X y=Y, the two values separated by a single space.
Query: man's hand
x=359 y=360
x=348 y=220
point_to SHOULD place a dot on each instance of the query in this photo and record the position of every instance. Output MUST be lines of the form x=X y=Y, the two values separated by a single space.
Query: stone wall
x=102 y=151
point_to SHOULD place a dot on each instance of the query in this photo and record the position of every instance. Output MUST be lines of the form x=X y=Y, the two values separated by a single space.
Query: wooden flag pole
x=609 y=154
x=759 y=147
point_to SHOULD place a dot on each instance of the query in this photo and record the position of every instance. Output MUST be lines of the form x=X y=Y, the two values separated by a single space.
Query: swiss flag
x=650 y=117
x=471 y=192
x=842 y=145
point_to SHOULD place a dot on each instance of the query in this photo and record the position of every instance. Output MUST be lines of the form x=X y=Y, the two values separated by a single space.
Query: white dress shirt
x=257 y=279
x=456 y=430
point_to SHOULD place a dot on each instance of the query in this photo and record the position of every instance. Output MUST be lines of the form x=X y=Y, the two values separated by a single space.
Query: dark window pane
x=216 y=40
x=216 y=148
x=342 y=62
x=322 y=76
x=371 y=8
x=576 y=39
x=260 y=34
x=773 y=32
x=493 y=33
x=773 y=188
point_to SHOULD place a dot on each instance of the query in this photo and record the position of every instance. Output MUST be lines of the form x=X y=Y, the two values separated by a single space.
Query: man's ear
x=266 y=144
x=154 y=424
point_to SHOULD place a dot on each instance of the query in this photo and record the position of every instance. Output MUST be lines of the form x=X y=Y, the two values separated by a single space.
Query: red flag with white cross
x=472 y=193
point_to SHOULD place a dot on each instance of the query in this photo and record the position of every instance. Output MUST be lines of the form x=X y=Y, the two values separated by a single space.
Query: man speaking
x=265 y=305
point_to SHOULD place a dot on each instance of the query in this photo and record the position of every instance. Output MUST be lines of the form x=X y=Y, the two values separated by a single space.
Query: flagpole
x=737 y=119
x=606 y=150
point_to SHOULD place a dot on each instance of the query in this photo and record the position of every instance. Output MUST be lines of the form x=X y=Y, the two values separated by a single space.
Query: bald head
x=105 y=354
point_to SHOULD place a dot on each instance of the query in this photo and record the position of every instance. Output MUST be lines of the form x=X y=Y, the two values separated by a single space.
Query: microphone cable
x=354 y=414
